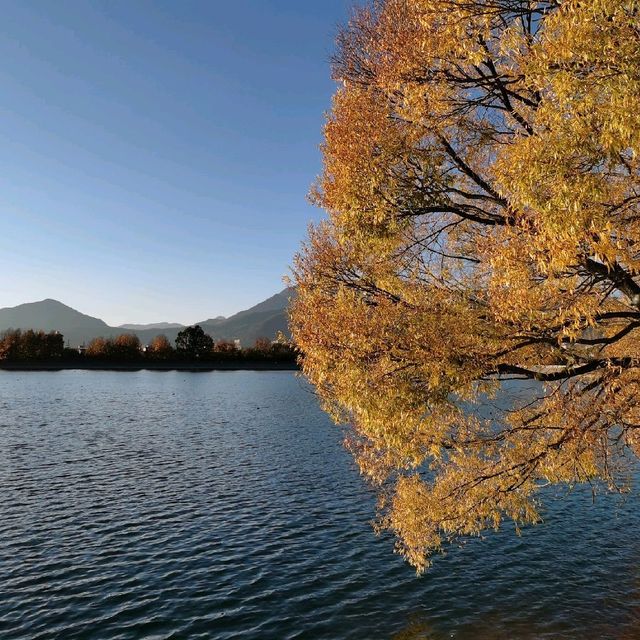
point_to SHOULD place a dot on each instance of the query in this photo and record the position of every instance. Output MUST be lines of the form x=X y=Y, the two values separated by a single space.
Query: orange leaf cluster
x=470 y=306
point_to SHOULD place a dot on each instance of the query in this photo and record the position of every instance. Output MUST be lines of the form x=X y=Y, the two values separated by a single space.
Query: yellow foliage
x=481 y=181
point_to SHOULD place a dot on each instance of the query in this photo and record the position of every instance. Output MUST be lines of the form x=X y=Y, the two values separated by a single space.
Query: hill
x=154 y=325
x=265 y=319
x=51 y=315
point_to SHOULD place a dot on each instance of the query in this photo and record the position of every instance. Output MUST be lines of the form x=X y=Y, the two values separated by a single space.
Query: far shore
x=151 y=366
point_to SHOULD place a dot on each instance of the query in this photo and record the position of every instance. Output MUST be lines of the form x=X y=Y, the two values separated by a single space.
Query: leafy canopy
x=193 y=342
x=481 y=181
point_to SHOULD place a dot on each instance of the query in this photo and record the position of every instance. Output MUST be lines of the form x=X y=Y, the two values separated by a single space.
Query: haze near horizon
x=157 y=156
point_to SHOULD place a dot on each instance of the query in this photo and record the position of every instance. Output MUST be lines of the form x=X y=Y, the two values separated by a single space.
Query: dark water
x=221 y=505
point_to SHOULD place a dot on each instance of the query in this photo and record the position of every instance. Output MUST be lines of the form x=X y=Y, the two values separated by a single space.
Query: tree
x=16 y=345
x=481 y=180
x=226 y=349
x=261 y=350
x=193 y=342
x=126 y=346
x=97 y=348
x=53 y=345
x=262 y=345
x=10 y=344
x=160 y=348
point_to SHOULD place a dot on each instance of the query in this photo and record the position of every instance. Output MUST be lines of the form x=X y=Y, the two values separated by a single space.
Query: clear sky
x=156 y=155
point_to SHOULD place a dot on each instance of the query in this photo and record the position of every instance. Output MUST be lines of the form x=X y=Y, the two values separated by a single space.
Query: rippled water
x=222 y=505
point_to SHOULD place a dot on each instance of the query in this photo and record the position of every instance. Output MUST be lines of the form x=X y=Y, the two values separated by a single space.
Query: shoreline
x=150 y=366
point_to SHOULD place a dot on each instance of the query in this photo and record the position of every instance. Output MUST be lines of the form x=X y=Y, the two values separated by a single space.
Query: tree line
x=19 y=346
x=192 y=345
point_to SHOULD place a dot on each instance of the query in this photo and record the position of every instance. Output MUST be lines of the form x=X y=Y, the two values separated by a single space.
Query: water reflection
x=415 y=630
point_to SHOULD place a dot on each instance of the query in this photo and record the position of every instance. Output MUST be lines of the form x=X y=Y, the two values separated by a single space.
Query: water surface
x=222 y=505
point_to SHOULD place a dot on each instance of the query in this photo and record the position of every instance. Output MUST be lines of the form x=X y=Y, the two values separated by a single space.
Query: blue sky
x=156 y=155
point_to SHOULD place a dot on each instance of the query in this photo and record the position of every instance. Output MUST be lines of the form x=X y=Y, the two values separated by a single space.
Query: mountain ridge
x=152 y=325
x=265 y=319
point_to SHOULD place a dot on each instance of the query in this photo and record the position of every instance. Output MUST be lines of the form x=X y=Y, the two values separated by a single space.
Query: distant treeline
x=192 y=345
x=20 y=346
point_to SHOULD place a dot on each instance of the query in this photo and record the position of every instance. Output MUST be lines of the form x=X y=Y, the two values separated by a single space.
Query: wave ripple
x=222 y=505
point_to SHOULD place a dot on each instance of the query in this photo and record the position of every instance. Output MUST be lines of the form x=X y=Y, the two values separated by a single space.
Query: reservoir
x=171 y=505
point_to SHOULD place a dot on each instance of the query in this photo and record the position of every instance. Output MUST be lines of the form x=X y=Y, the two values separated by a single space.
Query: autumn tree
x=225 y=349
x=10 y=344
x=16 y=345
x=126 y=346
x=261 y=350
x=481 y=183
x=263 y=345
x=193 y=342
x=97 y=348
x=279 y=350
x=160 y=348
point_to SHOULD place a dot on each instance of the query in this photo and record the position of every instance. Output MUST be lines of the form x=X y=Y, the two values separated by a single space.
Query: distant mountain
x=265 y=319
x=274 y=304
x=215 y=320
x=51 y=315
x=155 y=325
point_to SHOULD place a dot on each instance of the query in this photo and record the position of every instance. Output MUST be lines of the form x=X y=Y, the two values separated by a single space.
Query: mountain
x=265 y=319
x=51 y=315
x=155 y=325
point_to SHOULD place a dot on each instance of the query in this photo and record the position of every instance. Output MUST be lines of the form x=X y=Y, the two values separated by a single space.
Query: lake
x=222 y=505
